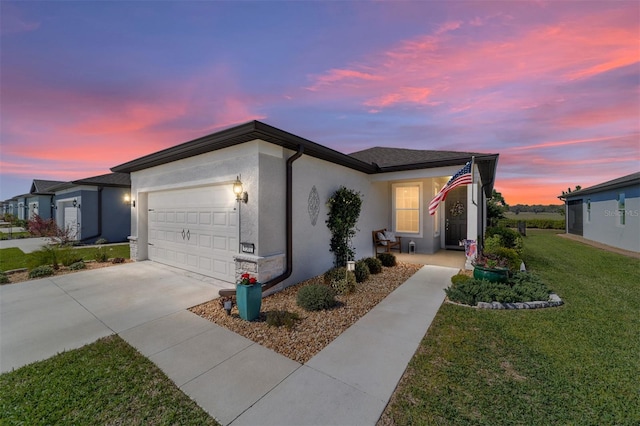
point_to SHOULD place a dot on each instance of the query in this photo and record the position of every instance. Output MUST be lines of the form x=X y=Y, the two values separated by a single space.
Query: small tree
x=39 y=227
x=344 y=211
x=496 y=207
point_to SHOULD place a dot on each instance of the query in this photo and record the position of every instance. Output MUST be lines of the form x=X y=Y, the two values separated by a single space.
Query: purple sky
x=553 y=87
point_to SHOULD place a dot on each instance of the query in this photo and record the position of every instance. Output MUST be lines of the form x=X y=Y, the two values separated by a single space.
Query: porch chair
x=387 y=240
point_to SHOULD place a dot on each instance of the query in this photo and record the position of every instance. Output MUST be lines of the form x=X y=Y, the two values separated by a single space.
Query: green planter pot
x=249 y=300
x=494 y=275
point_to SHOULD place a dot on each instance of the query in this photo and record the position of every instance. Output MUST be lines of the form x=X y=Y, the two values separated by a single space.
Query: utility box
x=412 y=247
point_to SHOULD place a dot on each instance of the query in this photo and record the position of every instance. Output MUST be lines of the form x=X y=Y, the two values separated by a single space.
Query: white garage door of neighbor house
x=195 y=229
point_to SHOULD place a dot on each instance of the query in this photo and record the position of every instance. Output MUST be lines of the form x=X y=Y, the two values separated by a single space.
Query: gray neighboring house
x=185 y=214
x=17 y=206
x=608 y=213
x=94 y=207
x=40 y=200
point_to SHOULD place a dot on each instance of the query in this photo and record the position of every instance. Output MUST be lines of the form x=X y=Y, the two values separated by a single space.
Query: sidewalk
x=350 y=382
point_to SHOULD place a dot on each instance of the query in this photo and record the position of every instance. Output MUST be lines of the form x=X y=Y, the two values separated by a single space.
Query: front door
x=455 y=218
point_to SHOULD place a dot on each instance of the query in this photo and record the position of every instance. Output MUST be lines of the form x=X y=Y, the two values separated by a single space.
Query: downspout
x=99 y=234
x=289 y=230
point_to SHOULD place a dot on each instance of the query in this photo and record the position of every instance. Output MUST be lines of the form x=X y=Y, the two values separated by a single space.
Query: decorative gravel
x=314 y=330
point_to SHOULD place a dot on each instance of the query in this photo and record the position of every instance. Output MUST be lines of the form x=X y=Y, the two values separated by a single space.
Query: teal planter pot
x=494 y=275
x=249 y=300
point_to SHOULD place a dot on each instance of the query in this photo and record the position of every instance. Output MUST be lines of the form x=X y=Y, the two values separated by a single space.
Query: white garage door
x=195 y=229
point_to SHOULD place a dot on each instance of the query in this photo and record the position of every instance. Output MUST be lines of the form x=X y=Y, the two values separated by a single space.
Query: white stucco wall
x=604 y=224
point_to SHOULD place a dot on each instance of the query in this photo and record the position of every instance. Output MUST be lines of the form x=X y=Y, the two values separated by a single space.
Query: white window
x=621 y=209
x=407 y=208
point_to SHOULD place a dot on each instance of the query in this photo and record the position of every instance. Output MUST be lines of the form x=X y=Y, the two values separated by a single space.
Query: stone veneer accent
x=263 y=268
x=133 y=248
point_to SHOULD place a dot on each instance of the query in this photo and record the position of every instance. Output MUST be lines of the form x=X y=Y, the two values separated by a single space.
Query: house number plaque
x=247 y=248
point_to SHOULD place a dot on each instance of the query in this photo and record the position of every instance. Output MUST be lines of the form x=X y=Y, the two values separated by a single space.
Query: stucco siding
x=602 y=224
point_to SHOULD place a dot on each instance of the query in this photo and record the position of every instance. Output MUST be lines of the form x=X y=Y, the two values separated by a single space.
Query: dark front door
x=574 y=217
x=455 y=218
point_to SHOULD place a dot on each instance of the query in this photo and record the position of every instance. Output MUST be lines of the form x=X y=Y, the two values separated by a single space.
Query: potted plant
x=491 y=267
x=248 y=297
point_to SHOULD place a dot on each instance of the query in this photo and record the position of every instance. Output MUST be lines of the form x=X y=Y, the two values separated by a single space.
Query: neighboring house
x=18 y=206
x=608 y=213
x=40 y=200
x=93 y=208
x=186 y=215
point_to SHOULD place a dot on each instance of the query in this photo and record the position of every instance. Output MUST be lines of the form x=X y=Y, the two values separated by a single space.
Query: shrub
x=492 y=243
x=387 y=259
x=100 y=255
x=280 y=318
x=459 y=278
x=510 y=238
x=41 y=271
x=47 y=255
x=341 y=280
x=117 y=260
x=511 y=257
x=344 y=209
x=4 y=279
x=100 y=241
x=316 y=297
x=77 y=265
x=523 y=287
x=374 y=264
x=68 y=256
x=362 y=271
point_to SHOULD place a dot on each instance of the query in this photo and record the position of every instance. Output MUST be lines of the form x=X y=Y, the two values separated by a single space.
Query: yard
x=576 y=364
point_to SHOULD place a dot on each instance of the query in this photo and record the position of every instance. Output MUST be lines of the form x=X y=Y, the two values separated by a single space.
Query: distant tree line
x=537 y=208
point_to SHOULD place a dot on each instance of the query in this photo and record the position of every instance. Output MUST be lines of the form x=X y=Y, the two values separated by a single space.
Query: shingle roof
x=628 y=180
x=40 y=186
x=109 y=179
x=385 y=157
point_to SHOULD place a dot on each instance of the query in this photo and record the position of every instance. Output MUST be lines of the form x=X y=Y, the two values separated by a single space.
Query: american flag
x=462 y=177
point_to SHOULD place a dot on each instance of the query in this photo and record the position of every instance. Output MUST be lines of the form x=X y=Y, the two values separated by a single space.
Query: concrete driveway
x=41 y=318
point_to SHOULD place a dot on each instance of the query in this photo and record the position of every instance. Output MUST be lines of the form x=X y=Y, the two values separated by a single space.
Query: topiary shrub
x=316 y=297
x=282 y=318
x=362 y=271
x=374 y=264
x=4 y=279
x=344 y=210
x=77 y=265
x=41 y=271
x=387 y=259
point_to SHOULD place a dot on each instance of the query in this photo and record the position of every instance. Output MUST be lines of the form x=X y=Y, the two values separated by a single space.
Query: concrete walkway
x=237 y=381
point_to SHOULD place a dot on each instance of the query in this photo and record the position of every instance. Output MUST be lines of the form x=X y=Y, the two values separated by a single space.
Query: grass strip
x=107 y=382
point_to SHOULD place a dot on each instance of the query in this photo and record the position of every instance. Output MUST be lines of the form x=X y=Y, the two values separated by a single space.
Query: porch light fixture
x=75 y=203
x=127 y=200
x=241 y=195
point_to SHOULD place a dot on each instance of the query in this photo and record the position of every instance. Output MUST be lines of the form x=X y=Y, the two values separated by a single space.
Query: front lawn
x=107 y=382
x=576 y=364
x=14 y=258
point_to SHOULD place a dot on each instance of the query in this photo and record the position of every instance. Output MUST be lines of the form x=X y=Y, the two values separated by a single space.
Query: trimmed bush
x=513 y=260
x=4 y=279
x=387 y=259
x=459 y=278
x=280 y=318
x=76 y=266
x=316 y=297
x=374 y=264
x=362 y=271
x=510 y=238
x=523 y=287
x=41 y=271
x=341 y=280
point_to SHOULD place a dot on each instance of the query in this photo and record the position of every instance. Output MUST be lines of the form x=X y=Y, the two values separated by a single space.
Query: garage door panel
x=195 y=229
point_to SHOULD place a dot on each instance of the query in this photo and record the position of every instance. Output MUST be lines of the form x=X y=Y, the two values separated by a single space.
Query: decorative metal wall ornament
x=314 y=205
x=457 y=209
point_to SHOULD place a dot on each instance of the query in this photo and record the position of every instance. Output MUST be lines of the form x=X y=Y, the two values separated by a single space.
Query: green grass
x=14 y=258
x=577 y=364
x=107 y=382
x=14 y=235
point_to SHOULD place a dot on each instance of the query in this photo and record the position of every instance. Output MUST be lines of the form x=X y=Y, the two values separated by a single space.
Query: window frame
x=420 y=209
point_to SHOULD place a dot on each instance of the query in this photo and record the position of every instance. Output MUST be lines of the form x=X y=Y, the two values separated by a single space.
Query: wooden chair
x=386 y=244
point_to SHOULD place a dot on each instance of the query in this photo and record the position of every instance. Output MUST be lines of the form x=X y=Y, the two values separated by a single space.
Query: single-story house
x=186 y=214
x=608 y=213
x=18 y=207
x=93 y=208
x=40 y=200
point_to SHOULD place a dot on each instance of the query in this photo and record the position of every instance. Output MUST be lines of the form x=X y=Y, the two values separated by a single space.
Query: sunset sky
x=552 y=86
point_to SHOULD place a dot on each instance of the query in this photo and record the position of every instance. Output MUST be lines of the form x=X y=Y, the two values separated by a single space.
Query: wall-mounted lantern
x=76 y=203
x=241 y=195
x=128 y=200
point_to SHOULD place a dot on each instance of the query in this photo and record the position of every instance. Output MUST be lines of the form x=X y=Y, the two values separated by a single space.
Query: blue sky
x=553 y=87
